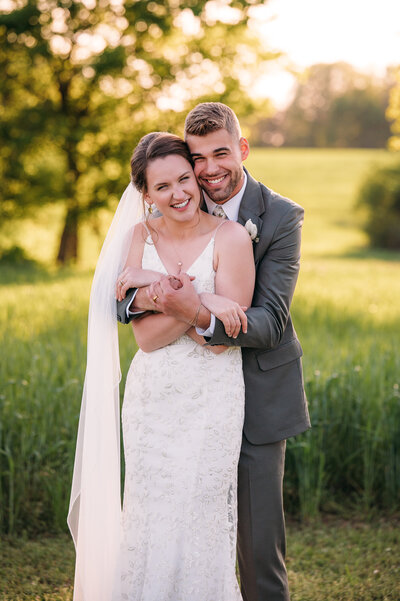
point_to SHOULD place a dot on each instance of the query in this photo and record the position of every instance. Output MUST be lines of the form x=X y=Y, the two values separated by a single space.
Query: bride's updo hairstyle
x=154 y=146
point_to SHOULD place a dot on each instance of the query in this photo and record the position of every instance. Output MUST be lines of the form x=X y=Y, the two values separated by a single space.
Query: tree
x=393 y=114
x=379 y=195
x=333 y=106
x=85 y=80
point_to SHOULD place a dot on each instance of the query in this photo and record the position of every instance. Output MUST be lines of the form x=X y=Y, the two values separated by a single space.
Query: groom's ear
x=244 y=148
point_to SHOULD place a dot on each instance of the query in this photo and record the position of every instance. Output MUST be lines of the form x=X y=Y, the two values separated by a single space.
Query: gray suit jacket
x=276 y=406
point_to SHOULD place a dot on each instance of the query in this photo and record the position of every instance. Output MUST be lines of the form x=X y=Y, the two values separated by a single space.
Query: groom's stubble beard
x=226 y=193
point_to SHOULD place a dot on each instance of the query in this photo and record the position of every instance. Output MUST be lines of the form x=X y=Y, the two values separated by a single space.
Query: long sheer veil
x=94 y=516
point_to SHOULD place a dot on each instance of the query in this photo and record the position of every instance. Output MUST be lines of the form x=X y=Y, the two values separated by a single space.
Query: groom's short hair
x=211 y=116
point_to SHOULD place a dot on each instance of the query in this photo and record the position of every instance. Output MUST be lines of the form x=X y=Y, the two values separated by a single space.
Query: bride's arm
x=217 y=349
x=234 y=281
x=157 y=330
x=134 y=277
x=235 y=274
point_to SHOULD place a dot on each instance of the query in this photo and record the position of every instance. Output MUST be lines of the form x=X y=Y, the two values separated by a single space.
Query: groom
x=275 y=406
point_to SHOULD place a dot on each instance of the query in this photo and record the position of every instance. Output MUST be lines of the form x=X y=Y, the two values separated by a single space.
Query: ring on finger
x=155 y=297
x=121 y=282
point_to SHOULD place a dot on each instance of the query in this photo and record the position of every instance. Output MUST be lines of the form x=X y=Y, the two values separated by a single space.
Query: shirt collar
x=231 y=206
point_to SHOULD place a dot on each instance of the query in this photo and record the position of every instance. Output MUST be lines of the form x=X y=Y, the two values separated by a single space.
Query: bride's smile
x=172 y=188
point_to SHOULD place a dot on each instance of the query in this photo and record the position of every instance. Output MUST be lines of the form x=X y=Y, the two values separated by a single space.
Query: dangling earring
x=149 y=208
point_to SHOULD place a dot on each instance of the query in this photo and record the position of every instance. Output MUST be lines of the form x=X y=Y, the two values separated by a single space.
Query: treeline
x=333 y=106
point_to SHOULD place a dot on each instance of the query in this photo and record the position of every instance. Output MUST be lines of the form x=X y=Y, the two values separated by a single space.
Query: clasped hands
x=175 y=295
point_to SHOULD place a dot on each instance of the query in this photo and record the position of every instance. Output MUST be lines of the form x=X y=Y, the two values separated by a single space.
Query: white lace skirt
x=182 y=426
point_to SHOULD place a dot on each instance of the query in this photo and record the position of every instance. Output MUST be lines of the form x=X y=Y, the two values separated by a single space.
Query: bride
x=183 y=406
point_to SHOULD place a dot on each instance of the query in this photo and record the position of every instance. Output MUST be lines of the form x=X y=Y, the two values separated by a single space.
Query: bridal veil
x=94 y=516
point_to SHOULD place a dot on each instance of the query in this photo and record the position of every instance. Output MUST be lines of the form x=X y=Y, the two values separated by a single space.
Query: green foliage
x=82 y=86
x=352 y=454
x=15 y=255
x=357 y=118
x=380 y=196
x=393 y=114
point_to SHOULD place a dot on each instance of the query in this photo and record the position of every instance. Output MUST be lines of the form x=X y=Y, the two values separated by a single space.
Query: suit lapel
x=252 y=205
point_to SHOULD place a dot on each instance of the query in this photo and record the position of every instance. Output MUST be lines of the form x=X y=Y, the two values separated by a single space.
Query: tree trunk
x=68 y=249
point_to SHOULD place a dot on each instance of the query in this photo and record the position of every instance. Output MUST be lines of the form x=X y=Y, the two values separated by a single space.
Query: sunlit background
x=363 y=33
x=84 y=80
x=316 y=87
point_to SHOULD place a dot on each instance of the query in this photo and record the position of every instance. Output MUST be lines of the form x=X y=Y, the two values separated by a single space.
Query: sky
x=365 y=33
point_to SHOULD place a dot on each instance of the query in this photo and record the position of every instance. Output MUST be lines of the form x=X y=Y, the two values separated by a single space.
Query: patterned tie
x=219 y=212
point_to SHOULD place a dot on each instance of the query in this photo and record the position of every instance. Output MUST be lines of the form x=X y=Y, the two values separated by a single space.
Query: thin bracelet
x=194 y=320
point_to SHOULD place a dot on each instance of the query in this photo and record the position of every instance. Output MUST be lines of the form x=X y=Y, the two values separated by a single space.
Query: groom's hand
x=143 y=300
x=176 y=296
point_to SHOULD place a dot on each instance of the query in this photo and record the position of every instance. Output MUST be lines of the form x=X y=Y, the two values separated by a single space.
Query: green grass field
x=347 y=315
x=345 y=311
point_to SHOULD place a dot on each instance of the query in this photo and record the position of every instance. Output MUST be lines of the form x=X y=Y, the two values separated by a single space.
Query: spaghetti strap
x=213 y=238
x=146 y=227
x=149 y=237
x=218 y=226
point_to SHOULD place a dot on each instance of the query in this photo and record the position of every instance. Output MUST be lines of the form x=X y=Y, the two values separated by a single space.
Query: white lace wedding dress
x=182 y=425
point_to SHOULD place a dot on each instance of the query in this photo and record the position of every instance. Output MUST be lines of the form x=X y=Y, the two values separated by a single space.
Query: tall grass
x=41 y=372
x=345 y=311
x=351 y=457
x=43 y=355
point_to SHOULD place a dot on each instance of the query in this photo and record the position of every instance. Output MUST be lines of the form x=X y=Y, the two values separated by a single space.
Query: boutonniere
x=252 y=230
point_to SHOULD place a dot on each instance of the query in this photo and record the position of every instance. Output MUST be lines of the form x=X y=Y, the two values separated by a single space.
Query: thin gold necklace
x=179 y=262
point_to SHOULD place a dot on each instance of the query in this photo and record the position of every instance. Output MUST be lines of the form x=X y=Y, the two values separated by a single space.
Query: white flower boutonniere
x=252 y=230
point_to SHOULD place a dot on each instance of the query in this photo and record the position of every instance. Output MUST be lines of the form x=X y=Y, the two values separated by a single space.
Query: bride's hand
x=133 y=277
x=228 y=311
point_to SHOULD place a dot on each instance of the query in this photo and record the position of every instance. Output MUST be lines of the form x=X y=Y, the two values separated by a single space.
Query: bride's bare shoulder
x=231 y=231
x=140 y=234
x=143 y=230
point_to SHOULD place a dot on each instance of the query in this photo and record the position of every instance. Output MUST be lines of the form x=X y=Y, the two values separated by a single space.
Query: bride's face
x=172 y=187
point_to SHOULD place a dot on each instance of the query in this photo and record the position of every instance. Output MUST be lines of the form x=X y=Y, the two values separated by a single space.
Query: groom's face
x=218 y=160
